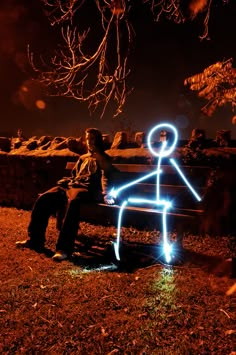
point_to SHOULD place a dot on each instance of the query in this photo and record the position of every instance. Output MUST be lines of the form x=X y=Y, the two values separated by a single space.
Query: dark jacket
x=93 y=171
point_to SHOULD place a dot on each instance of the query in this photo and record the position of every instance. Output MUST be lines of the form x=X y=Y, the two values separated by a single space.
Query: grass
x=88 y=306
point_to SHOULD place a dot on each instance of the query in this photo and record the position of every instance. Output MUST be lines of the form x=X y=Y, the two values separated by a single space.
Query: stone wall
x=22 y=178
x=25 y=173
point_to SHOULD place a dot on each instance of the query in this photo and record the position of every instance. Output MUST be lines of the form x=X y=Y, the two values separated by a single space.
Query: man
x=89 y=182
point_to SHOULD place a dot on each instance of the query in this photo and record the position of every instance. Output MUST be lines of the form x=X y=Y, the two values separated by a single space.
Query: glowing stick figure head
x=167 y=148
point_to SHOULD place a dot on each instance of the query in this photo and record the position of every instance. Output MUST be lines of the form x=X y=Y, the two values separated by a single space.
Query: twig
x=222 y=310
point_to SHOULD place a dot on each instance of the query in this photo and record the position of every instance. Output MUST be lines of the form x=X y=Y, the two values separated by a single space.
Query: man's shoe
x=60 y=255
x=27 y=243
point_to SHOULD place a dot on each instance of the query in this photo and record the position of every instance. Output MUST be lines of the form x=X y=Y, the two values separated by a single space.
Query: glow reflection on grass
x=162 y=300
x=78 y=271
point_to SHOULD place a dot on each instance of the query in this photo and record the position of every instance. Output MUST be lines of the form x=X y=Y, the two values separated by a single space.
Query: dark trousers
x=66 y=202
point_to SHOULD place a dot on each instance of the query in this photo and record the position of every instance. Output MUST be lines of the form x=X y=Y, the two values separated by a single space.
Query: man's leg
x=70 y=226
x=45 y=205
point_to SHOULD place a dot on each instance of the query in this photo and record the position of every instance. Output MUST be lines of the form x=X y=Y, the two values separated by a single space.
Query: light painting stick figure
x=164 y=205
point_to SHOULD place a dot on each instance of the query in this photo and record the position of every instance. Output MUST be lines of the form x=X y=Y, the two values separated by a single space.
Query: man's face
x=90 y=141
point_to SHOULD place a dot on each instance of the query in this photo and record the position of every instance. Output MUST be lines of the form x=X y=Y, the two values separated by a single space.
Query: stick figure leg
x=167 y=246
x=117 y=243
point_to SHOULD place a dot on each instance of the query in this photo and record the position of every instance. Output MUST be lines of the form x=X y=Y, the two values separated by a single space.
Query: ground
x=87 y=305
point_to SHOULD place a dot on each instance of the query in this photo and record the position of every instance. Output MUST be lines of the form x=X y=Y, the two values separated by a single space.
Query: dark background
x=162 y=56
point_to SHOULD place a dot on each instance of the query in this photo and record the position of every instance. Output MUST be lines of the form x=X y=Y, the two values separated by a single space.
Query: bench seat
x=185 y=215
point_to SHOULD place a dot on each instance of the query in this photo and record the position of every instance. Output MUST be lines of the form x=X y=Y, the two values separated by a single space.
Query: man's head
x=94 y=141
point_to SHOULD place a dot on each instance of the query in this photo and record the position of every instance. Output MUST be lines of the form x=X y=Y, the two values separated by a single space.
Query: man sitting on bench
x=89 y=183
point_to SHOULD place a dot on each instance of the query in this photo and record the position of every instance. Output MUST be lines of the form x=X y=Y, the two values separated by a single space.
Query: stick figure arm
x=115 y=191
x=195 y=194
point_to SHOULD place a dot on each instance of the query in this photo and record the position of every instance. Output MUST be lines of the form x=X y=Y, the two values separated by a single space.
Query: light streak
x=79 y=271
x=114 y=192
x=158 y=169
x=161 y=153
x=117 y=244
x=185 y=180
x=165 y=204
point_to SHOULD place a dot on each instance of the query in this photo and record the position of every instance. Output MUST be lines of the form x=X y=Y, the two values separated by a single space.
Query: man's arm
x=76 y=168
x=108 y=176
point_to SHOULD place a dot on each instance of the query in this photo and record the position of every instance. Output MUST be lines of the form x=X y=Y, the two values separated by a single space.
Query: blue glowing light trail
x=165 y=150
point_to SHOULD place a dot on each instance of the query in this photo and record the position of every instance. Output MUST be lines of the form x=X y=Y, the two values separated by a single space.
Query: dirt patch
x=89 y=306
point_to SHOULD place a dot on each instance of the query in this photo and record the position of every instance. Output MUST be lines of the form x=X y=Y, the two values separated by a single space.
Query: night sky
x=163 y=55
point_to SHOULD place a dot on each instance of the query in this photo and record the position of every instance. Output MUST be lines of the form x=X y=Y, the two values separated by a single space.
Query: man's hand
x=109 y=200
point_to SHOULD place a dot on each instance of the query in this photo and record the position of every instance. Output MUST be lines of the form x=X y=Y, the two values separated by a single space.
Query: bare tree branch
x=93 y=68
x=169 y=8
x=88 y=77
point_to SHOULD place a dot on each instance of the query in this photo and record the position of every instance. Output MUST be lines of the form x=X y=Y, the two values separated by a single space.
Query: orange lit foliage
x=216 y=84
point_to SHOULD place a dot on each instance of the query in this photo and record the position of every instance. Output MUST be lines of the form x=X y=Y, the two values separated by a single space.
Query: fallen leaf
x=231 y=290
x=230 y=331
